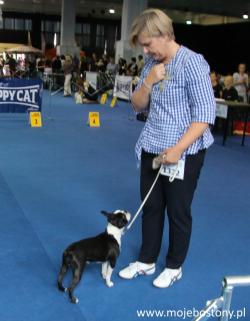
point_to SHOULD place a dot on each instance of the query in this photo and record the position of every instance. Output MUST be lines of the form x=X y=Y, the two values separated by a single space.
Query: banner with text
x=20 y=95
x=123 y=87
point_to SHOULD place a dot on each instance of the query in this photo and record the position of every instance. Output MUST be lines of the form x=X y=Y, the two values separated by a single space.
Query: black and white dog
x=104 y=248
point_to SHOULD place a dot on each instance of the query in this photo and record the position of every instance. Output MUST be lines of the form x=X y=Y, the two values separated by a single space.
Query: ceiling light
x=1 y=2
x=112 y=11
x=245 y=16
x=188 y=22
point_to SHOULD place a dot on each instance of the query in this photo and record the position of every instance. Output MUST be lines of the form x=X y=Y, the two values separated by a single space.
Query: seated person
x=229 y=92
x=217 y=88
x=86 y=94
x=78 y=96
x=90 y=94
x=79 y=93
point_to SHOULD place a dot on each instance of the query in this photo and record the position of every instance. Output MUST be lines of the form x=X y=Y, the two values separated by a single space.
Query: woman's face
x=242 y=68
x=154 y=46
x=213 y=77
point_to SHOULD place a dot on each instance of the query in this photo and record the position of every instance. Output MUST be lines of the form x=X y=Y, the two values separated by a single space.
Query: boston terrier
x=104 y=248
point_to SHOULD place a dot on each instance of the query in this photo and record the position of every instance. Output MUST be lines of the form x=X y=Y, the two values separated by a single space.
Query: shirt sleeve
x=147 y=66
x=199 y=90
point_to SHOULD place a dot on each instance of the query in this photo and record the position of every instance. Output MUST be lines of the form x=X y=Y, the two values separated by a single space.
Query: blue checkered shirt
x=186 y=97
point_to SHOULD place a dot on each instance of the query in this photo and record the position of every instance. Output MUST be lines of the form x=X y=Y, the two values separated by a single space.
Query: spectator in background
x=85 y=94
x=83 y=66
x=57 y=70
x=140 y=64
x=62 y=60
x=122 y=66
x=47 y=72
x=12 y=65
x=248 y=91
x=229 y=92
x=56 y=65
x=105 y=61
x=67 y=68
x=132 y=67
x=241 y=85
x=241 y=82
x=217 y=88
x=48 y=63
x=92 y=62
x=31 y=68
x=1 y=66
x=40 y=63
x=100 y=65
x=111 y=66
x=76 y=65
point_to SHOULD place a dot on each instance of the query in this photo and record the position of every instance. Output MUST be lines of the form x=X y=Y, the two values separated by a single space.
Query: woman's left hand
x=171 y=155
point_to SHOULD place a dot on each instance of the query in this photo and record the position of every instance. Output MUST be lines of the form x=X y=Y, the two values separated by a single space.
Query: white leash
x=145 y=199
x=171 y=179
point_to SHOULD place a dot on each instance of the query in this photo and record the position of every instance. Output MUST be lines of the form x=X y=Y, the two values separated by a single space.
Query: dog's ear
x=105 y=213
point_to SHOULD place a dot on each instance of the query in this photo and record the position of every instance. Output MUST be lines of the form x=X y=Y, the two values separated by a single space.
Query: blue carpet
x=55 y=180
x=25 y=278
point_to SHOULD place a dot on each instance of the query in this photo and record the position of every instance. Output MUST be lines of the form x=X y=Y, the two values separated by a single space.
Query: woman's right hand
x=141 y=98
x=156 y=74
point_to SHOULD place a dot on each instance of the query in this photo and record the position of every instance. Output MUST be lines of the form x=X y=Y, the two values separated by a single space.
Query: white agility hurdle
x=223 y=303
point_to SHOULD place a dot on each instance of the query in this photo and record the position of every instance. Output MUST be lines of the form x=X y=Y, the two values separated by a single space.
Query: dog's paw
x=109 y=284
x=74 y=300
x=61 y=288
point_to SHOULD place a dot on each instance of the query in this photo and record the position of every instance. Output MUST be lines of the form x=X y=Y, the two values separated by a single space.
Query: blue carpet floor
x=55 y=180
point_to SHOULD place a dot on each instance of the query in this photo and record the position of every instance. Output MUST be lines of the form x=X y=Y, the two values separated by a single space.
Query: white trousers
x=67 y=85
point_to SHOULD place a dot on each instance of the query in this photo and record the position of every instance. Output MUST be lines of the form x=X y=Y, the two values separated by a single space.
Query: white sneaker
x=137 y=268
x=167 y=277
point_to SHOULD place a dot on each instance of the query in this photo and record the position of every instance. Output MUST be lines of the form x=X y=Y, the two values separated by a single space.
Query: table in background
x=232 y=108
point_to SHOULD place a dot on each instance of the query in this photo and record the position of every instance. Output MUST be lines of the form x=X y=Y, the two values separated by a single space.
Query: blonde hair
x=152 y=22
x=68 y=58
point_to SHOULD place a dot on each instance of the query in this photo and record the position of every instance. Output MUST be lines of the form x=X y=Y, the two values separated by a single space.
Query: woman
x=176 y=87
x=67 y=69
x=217 y=88
x=241 y=82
